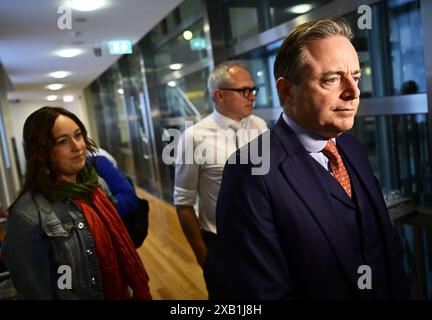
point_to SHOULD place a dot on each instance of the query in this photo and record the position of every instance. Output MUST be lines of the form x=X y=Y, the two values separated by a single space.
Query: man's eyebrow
x=339 y=72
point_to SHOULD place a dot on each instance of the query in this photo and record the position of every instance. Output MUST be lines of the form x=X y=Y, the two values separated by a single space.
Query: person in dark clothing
x=316 y=225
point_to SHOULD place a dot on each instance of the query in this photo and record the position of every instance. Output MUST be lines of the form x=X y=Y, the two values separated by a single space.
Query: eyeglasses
x=246 y=92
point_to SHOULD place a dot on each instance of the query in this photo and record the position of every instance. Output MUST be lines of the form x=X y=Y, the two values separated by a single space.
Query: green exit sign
x=198 y=44
x=120 y=47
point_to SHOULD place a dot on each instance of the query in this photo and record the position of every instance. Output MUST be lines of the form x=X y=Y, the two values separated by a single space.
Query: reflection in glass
x=189 y=9
x=243 y=22
x=245 y=19
x=391 y=58
x=186 y=96
x=111 y=106
x=259 y=72
x=139 y=121
x=179 y=53
x=182 y=15
x=281 y=11
x=260 y=63
x=407 y=50
x=397 y=147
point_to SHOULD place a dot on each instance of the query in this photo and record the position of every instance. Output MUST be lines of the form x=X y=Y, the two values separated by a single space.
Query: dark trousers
x=213 y=268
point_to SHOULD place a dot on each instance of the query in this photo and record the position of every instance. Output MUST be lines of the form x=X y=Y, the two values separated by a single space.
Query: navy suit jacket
x=280 y=235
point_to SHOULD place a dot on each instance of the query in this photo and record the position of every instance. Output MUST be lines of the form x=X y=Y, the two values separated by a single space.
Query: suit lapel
x=359 y=164
x=303 y=177
x=334 y=187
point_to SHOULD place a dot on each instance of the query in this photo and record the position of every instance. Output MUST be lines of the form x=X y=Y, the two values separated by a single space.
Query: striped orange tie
x=338 y=167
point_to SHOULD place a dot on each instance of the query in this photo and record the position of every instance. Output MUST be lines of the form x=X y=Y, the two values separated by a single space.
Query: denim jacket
x=50 y=251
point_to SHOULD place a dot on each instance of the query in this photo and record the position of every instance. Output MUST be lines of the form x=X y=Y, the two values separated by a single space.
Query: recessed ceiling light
x=55 y=86
x=51 y=98
x=86 y=5
x=187 y=35
x=68 y=98
x=176 y=66
x=301 y=8
x=171 y=84
x=69 y=53
x=59 y=74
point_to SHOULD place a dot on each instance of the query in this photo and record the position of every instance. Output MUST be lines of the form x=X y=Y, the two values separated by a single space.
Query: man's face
x=327 y=97
x=233 y=104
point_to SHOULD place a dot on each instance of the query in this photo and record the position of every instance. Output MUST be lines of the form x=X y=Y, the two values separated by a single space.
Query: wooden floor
x=169 y=260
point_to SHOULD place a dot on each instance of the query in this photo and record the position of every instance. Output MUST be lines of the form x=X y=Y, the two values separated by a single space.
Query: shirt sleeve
x=122 y=190
x=186 y=172
x=26 y=252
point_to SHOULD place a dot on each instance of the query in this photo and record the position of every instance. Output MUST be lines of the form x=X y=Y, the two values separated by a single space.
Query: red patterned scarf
x=119 y=263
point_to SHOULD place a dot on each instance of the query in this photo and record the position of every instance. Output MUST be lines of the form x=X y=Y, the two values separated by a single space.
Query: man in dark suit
x=316 y=225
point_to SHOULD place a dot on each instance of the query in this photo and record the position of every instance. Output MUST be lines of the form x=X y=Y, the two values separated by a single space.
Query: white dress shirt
x=313 y=143
x=202 y=175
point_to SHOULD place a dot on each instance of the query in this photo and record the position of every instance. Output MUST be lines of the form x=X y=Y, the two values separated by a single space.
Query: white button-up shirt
x=201 y=156
x=313 y=143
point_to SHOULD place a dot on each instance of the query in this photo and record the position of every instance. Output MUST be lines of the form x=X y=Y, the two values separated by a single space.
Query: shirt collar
x=225 y=122
x=312 y=142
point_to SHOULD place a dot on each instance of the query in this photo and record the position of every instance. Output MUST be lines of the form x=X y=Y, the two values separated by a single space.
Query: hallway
x=136 y=102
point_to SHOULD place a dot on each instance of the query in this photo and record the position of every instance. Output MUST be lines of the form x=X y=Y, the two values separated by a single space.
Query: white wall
x=20 y=111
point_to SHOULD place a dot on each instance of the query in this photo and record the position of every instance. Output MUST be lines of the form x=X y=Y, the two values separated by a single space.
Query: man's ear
x=217 y=96
x=284 y=88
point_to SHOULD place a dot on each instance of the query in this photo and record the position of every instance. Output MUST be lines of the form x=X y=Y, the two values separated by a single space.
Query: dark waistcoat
x=359 y=219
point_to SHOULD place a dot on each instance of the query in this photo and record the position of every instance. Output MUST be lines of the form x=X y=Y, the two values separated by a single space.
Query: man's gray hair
x=220 y=77
x=290 y=58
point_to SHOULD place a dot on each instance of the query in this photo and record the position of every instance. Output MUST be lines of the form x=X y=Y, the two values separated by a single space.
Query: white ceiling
x=29 y=37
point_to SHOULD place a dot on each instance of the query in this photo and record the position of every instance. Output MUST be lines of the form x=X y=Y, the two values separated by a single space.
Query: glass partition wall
x=159 y=86
x=163 y=84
